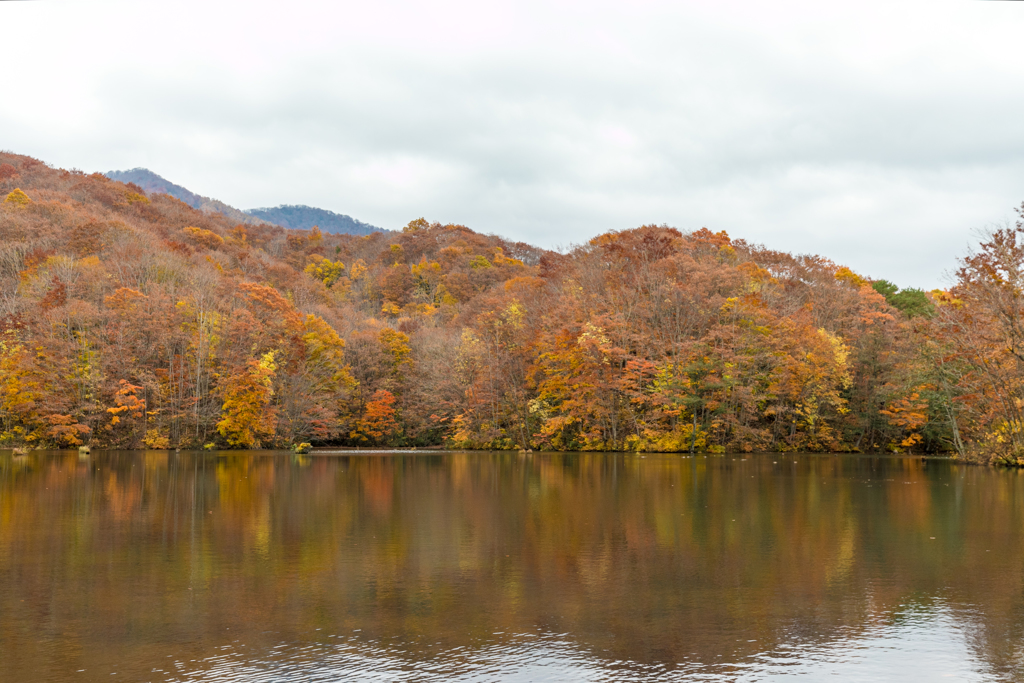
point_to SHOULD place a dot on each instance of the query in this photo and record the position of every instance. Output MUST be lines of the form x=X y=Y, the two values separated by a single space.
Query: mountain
x=305 y=217
x=129 y=321
x=152 y=183
x=185 y=312
x=294 y=217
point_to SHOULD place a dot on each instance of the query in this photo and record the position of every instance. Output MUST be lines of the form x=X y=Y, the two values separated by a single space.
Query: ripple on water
x=925 y=645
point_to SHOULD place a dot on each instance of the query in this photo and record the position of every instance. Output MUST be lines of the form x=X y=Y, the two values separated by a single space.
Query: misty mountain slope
x=305 y=217
x=295 y=217
x=153 y=183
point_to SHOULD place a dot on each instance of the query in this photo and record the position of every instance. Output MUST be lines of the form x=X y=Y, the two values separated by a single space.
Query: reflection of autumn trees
x=649 y=559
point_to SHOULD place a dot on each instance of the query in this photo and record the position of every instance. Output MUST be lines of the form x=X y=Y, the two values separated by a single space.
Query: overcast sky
x=877 y=133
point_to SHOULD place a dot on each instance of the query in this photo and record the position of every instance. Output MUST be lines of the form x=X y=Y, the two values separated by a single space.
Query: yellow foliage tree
x=359 y=270
x=846 y=275
x=396 y=345
x=17 y=198
x=206 y=238
x=20 y=392
x=325 y=355
x=325 y=270
x=247 y=416
x=416 y=225
x=135 y=198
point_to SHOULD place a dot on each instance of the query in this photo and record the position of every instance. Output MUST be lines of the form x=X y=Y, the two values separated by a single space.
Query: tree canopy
x=130 y=319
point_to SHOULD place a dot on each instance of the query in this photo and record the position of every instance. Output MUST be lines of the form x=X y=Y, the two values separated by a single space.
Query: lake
x=482 y=566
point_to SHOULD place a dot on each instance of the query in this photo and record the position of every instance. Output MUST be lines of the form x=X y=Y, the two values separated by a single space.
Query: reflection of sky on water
x=921 y=644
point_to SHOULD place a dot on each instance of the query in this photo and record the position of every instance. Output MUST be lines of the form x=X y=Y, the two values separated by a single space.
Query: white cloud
x=877 y=133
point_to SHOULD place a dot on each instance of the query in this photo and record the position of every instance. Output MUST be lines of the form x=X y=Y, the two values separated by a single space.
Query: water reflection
x=476 y=566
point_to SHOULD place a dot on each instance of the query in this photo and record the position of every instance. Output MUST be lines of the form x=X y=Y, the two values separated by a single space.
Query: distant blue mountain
x=154 y=184
x=151 y=182
x=294 y=217
x=305 y=217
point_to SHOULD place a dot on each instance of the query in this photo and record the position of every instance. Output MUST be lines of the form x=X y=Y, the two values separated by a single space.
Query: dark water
x=495 y=566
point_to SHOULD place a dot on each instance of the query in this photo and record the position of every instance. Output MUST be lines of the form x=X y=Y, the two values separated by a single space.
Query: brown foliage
x=646 y=339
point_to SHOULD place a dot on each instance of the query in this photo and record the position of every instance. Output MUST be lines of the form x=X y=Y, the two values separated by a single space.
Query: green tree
x=910 y=302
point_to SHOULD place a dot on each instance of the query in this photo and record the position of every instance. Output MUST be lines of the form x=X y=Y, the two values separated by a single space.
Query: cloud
x=878 y=134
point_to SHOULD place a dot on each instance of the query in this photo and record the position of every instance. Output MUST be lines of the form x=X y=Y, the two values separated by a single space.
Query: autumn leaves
x=653 y=340
x=134 y=323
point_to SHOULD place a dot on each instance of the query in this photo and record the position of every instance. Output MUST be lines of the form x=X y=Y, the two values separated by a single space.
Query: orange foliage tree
x=377 y=424
x=128 y=319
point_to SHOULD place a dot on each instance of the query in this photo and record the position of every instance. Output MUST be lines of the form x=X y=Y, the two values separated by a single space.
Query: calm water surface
x=150 y=566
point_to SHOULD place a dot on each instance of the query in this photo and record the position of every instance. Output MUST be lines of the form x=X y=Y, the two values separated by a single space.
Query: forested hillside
x=131 y=320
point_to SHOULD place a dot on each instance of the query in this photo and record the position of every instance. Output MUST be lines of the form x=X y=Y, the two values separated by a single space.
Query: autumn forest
x=130 y=320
